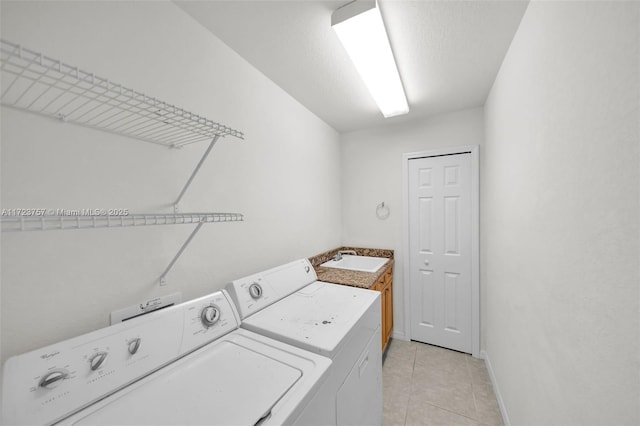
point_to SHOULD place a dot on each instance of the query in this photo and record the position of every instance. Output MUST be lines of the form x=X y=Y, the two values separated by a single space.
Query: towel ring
x=382 y=211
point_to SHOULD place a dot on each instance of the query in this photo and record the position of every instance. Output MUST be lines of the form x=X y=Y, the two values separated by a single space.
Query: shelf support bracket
x=163 y=277
x=195 y=172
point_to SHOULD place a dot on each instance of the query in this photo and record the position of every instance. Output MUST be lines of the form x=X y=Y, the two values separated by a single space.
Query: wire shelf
x=34 y=82
x=61 y=222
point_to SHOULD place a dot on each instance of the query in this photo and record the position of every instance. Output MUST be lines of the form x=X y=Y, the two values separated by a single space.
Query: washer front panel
x=45 y=385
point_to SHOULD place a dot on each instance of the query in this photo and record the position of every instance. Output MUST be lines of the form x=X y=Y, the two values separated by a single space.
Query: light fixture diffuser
x=360 y=28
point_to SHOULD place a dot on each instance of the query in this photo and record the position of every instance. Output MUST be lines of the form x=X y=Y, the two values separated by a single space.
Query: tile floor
x=428 y=385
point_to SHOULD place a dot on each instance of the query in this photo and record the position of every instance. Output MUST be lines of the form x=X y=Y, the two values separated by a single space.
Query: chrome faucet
x=338 y=255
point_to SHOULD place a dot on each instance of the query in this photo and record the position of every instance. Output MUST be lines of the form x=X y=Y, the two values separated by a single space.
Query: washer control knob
x=255 y=291
x=210 y=315
x=97 y=360
x=134 y=345
x=52 y=379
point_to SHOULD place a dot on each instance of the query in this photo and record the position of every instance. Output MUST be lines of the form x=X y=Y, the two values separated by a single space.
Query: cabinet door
x=379 y=286
x=385 y=286
x=388 y=276
x=388 y=311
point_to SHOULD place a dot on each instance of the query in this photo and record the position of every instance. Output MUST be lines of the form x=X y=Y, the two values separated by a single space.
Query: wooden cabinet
x=385 y=286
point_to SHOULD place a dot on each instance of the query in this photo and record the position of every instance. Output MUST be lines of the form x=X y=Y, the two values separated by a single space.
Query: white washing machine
x=185 y=365
x=287 y=303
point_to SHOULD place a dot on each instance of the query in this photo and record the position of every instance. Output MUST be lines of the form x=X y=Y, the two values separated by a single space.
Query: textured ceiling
x=448 y=52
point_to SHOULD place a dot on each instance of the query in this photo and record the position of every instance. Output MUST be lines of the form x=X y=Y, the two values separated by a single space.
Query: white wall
x=560 y=215
x=284 y=177
x=372 y=173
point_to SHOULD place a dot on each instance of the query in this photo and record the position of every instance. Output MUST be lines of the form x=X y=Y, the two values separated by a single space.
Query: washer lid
x=316 y=318
x=224 y=384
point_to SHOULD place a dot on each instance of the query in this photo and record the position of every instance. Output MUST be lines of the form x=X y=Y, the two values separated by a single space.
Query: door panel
x=440 y=250
x=451 y=317
x=426 y=215
x=427 y=311
x=451 y=225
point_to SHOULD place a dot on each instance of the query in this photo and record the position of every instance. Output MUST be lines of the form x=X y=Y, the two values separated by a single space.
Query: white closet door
x=440 y=245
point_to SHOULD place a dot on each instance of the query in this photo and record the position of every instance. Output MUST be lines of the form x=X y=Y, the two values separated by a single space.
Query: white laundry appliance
x=287 y=303
x=189 y=364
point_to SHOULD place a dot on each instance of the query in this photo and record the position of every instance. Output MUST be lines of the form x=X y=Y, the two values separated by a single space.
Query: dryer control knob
x=134 y=345
x=255 y=291
x=210 y=315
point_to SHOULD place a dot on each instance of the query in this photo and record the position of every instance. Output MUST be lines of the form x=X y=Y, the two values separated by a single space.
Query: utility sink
x=357 y=263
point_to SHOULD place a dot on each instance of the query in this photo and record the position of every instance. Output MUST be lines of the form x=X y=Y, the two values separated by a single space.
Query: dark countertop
x=347 y=277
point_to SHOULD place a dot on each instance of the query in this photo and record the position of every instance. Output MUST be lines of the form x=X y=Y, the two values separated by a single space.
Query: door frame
x=474 y=150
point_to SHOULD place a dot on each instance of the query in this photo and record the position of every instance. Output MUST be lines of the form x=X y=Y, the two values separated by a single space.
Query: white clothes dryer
x=189 y=364
x=287 y=303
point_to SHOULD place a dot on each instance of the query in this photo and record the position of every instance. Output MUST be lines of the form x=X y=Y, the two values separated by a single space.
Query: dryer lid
x=317 y=318
x=222 y=384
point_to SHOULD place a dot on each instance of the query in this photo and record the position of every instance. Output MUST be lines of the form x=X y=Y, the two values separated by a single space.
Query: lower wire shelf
x=60 y=222
x=53 y=222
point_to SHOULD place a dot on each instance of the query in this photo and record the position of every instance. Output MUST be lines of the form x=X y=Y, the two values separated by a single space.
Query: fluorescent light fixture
x=361 y=30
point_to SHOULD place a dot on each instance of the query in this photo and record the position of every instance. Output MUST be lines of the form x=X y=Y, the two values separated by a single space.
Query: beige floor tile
x=438 y=357
x=396 y=382
x=447 y=369
x=402 y=350
x=396 y=386
x=394 y=409
x=438 y=352
x=395 y=413
x=487 y=410
x=478 y=371
x=395 y=403
x=453 y=396
x=398 y=344
x=393 y=418
x=398 y=362
x=442 y=376
x=420 y=413
x=428 y=385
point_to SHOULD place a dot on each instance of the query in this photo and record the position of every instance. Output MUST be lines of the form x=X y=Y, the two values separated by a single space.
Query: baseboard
x=398 y=335
x=496 y=388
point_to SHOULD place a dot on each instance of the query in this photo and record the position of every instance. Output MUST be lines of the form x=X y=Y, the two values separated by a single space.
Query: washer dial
x=255 y=290
x=210 y=315
x=53 y=379
x=97 y=360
